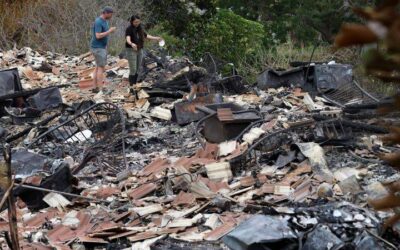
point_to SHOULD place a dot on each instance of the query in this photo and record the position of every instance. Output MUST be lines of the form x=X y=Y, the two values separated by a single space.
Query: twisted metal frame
x=348 y=92
x=105 y=120
x=332 y=129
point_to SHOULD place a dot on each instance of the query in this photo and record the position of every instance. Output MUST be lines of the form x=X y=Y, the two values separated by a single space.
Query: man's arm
x=100 y=35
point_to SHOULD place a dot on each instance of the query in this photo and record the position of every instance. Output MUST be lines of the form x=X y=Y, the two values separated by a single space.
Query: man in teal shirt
x=101 y=31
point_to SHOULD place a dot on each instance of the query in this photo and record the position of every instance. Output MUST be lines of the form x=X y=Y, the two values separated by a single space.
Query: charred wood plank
x=365 y=127
x=27 y=130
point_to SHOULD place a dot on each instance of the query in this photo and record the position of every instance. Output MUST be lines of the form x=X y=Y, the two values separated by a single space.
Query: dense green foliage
x=242 y=32
x=232 y=37
x=304 y=21
x=182 y=23
x=197 y=27
x=182 y=18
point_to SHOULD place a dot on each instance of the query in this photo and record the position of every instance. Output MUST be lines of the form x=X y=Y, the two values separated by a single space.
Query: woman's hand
x=134 y=46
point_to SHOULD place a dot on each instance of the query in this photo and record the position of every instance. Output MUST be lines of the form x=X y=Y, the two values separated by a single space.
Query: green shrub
x=182 y=18
x=174 y=45
x=231 y=37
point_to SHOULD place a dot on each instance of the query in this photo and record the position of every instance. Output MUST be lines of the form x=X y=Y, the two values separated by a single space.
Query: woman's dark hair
x=139 y=28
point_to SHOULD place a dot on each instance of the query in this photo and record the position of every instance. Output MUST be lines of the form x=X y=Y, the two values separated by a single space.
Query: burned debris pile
x=289 y=164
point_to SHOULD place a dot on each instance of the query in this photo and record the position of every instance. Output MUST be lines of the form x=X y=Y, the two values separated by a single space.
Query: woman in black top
x=135 y=38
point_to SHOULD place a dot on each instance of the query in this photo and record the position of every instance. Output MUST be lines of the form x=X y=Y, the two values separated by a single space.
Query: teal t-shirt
x=100 y=26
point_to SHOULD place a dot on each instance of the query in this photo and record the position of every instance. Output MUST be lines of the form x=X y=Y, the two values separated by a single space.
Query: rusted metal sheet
x=268 y=188
x=143 y=190
x=105 y=192
x=86 y=239
x=61 y=234
x=40 y=219
x=220 y=231
x=143 y=236
x=302 y=191
x=215 y=186
x=209 y=151
x=155 y=167
x=184 y=199
x=186 y=112
x=225 y=114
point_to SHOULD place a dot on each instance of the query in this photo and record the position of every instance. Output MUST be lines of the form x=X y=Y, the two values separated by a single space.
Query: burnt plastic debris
x=3 y=132
x=222 y=203
x=22 y=115
x=320 y=77
x=25 y=163
x=60 y=180
x=335 y=82
x=285 y=158
x=81 y=106
x=262 y=232
x=331 y=77
x=183 y=81
x=205 y=76
x=322 y=238
x=274 y=78
x=46 y=98
x=229 y=85
x=52 y=176
x=366 y=241
x=9 y=82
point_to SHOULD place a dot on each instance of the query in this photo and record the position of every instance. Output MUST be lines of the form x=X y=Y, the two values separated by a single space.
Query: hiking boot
x=132 y=79
x=132 y=83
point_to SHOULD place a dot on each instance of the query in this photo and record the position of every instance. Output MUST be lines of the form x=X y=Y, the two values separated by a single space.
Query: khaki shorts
x=100 y=56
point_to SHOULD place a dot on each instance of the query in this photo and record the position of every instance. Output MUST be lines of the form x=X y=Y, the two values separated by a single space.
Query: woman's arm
x=154 y=38
x=129 y=41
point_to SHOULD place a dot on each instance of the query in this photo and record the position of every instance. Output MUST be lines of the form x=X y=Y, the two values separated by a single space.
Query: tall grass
x=61 y=26
x=279 y=57
x=12 y=13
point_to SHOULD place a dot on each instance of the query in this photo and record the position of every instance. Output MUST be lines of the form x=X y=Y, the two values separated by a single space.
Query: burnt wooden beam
x=26 y=93
x=12 y=211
